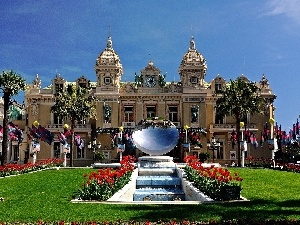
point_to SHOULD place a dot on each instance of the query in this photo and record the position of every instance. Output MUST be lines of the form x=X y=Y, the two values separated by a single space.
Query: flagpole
x=34 y=158
x=186 y=127
x=271 y=121
x=243 y=149
x=121 y=136
x=65 y=159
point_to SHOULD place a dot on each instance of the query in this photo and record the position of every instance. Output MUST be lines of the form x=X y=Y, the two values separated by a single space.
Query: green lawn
x=46 y=196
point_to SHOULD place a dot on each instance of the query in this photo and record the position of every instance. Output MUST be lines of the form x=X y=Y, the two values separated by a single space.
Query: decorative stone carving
x=108 y=62
x=107 y=113
x=34 y=108
x=192 y=69
x=192 y=44
x=194 y=113
x=58 y=79
x=264 y=83
x=243 y=78
x=128 y=87
x=171 y=88
x=37 y=83
x=82 y=81
x=218 y=83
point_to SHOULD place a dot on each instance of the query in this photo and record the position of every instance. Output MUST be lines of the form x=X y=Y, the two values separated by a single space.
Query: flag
x=294 y=132
x=14 y=133
x=66 y=148
x=36 y=147
x=253 y=140
x=40 y=132
x=262 y=140
x=33 y=133
x=78 y=141
x=64 y=136
x=284 y=137
x=113 y=139
x=266 y=132
x=233 y=138
x=46 y=135
x=247 y=135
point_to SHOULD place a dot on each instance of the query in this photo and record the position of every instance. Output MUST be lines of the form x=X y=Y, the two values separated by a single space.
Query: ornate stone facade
x=189 y=101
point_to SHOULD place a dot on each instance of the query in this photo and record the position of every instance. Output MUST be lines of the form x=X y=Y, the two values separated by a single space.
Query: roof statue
x=192 y=44
x=15 y=112
x=109 y=43
x=37 y=83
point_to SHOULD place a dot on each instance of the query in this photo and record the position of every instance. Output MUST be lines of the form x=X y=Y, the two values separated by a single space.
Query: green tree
x=11 y=84
x=293 y=151
x=239 y=98
x=74 y=104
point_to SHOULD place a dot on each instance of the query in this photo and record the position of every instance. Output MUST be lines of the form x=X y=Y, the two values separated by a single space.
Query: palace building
x=189 y=102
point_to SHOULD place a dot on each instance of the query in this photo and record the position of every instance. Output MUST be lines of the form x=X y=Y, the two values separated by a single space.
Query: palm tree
x=74 y=104
x=239 y=98
x=11 y=84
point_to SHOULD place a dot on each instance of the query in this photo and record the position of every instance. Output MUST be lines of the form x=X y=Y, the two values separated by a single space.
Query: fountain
x=157 y=178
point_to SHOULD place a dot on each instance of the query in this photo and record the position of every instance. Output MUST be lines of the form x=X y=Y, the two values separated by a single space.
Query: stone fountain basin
x=191 y=194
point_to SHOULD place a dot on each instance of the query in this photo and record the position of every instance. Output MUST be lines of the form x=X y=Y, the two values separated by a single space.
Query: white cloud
x=288 y=8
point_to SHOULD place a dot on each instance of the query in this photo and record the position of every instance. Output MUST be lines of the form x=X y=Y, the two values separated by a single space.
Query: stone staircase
x=158 y=181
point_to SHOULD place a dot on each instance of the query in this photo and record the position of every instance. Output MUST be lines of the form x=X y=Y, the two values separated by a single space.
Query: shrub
x=106 y=182
x=216 y=182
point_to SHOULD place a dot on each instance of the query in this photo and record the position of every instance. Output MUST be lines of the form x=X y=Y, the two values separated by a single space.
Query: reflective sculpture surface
x=155 y=137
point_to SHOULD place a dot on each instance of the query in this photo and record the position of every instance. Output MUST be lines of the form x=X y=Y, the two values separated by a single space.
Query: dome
x=192 y=58
x=108 y=56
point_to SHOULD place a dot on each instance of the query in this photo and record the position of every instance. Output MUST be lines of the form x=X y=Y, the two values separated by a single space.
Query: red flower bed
x=15 y=169
x=104 y=183
x=216 y=182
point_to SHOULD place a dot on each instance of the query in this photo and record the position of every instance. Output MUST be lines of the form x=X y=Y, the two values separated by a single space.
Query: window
x=218 y=87
x=128 y=114
x=82 y=121
x=58 y=87
x=151 y=111
x=194 y=114
x=219 y=119
x=194 y=80
x=15 y=153
x=173 y=113
x=82 y=85
x=56 y=149
x=107 y=113
x=220 y=151
x=80 y=152
x=107 y=80
x=56 y=119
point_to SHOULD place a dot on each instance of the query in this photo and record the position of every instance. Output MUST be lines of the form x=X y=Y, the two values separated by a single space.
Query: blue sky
x=236 y=37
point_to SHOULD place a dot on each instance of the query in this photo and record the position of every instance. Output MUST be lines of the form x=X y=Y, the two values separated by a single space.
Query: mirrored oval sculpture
x=155 y=137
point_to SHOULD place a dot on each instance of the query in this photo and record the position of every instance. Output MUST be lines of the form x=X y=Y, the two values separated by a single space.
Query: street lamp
x=94 y=146
x=243 y=145
x=213 y=144
x=1 y=138
x=121 y=146
x=273 y=141
x=186 y=145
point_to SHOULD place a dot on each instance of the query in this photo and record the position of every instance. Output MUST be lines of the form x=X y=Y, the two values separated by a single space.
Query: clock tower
x=192 y=69
x=150 y=75
x=108 y=68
